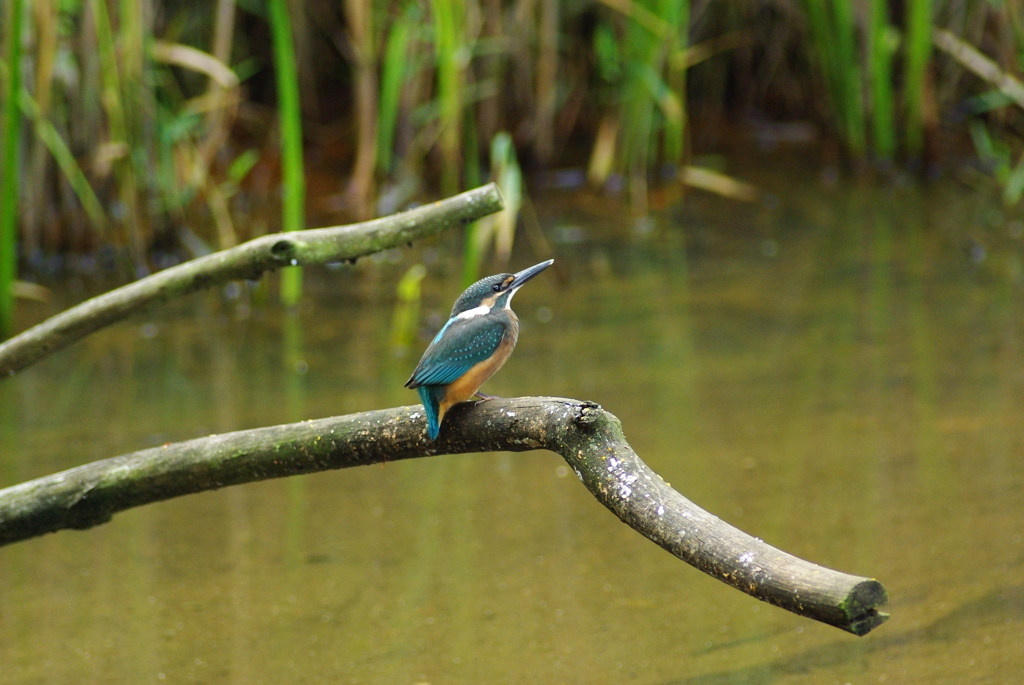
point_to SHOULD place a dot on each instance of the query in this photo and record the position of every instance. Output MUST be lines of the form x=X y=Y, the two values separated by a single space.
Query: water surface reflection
x=837 y=372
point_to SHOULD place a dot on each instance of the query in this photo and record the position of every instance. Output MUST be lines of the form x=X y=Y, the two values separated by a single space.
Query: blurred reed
x=293 y=182
x=148 y=127
x=497 y=230
x=405 y=318
x=882 y=42
x=878 y=110
x=9 y=169
x=834 y=35
x=916 y=58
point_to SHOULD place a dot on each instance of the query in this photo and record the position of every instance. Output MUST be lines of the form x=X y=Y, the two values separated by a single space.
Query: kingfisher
x=472 y=346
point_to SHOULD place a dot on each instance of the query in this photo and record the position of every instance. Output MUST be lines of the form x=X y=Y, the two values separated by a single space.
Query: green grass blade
x=834 y=47
x=477 y=234
x=506 y=171
x=849 y=77
x=406 y=316
x=650 y=88
x=917 y=51
x=294 y=185
x=449 y=16
x=983 y=145
x=675 y=115
x=393 y=74
x=48 y=134
x=112 y=96
x=821 y=38
x=9 y=169
x=1013 y=188
x=881 y=39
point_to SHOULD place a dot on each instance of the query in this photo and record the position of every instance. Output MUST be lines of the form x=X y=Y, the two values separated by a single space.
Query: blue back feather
x=466 y=344
x=480 y=320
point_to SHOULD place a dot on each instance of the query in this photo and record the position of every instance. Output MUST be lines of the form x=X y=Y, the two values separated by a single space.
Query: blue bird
x=472 y=346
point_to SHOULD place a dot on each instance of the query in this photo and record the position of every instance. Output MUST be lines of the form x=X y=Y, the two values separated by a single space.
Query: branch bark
x=249 y=260
x=587 y=437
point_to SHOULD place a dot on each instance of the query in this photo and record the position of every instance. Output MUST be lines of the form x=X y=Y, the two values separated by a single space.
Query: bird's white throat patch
x=482 y=310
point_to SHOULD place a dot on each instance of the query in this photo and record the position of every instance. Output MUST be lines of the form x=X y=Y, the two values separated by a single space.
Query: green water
x=837 y=371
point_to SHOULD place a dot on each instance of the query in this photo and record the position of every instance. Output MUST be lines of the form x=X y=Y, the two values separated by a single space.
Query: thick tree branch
x=589 y=439
x=250 y=261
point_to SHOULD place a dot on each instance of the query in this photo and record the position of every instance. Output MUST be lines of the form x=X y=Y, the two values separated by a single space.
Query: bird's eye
x=496 y=287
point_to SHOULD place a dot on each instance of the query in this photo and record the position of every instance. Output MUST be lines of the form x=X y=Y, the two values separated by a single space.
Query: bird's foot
x=484 y=397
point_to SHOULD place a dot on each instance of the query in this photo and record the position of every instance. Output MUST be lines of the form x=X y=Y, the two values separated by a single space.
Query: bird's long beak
x=528 y=273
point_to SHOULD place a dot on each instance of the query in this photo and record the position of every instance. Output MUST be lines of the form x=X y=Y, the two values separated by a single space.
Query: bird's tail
x=431 y=395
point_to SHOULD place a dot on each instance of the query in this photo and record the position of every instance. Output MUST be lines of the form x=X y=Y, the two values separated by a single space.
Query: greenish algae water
x=836 y=370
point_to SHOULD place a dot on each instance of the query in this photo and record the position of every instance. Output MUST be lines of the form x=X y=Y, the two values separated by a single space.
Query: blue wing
x=457 y=348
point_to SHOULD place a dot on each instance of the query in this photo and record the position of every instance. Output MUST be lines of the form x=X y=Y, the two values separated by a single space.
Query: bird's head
x=495 y=291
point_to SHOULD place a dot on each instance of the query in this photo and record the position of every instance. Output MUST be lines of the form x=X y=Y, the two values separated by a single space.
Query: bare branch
x=250 y=261
x=586 y=436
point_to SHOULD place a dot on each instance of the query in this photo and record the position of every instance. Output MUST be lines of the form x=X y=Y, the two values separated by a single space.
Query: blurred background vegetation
x=140 y=132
